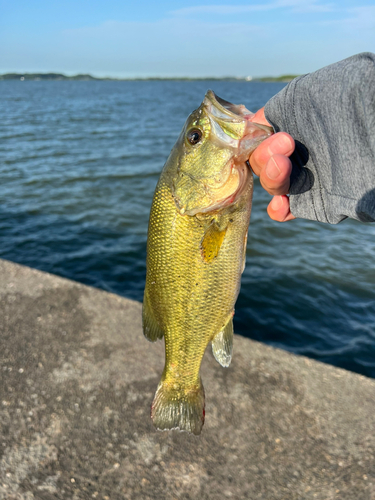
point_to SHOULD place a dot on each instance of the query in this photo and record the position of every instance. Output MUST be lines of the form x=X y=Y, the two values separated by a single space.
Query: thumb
x=260 y=118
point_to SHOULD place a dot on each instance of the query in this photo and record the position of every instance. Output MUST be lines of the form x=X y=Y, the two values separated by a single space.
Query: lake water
x=79 y=162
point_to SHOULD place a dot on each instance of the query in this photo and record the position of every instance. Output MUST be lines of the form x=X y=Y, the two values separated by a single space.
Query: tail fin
x=173 y=410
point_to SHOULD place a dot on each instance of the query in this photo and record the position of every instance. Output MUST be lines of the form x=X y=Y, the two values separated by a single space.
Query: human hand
x=270 y=161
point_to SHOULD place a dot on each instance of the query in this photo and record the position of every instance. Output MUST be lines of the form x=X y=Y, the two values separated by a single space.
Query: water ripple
x=80 y=161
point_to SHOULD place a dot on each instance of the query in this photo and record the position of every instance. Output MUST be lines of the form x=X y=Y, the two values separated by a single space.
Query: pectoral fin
x=212 y=241
x=222 y=344
x=151 y=328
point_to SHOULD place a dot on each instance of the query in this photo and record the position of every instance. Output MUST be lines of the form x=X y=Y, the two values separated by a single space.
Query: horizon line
x=86 y=76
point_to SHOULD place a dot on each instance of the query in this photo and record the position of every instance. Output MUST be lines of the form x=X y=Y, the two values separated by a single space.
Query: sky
x=195 y=39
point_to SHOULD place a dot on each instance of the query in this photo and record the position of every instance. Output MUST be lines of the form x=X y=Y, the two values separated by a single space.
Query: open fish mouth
x=232 y=126
x=214 y=170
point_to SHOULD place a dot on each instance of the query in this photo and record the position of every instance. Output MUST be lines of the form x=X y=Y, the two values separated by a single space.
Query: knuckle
x=274 y=188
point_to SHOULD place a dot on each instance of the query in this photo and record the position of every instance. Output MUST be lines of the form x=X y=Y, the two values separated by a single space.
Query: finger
x=279 y=209
x=280 y=143
x=260 y=118
x=275 y=177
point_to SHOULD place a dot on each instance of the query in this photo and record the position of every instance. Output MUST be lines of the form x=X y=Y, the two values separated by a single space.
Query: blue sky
x=165 y=38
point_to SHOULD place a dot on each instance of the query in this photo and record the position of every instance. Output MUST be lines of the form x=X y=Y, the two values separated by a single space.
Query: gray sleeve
x=331 y=116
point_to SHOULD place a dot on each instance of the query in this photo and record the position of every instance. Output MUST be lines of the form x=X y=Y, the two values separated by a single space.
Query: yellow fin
x=212 y=241
x=151 y=328
x=222 y=344
x=171 y=410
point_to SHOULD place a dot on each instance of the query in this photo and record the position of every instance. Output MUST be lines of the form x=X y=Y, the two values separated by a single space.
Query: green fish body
x=196 y=252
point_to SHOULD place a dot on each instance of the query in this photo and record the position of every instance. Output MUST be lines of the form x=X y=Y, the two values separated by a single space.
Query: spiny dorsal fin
x=151 y=328
x=222 y=344
x=212 y=241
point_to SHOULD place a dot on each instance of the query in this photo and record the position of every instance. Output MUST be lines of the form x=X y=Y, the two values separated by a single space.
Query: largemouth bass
x=196 y=252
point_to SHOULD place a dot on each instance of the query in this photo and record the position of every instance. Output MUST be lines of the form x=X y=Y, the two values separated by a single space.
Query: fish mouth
x=224 y=109
x=232 y=126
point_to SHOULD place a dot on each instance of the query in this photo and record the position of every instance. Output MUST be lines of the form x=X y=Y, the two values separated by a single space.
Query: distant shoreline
x=83 y=77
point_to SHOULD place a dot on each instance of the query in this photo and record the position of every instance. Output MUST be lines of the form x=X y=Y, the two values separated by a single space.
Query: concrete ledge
x=77 y=380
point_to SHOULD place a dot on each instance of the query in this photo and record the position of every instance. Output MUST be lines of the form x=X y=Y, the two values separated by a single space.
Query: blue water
x=79 y=162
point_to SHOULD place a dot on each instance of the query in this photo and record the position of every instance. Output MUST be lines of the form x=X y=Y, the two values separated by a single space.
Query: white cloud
x=356 y=20
x=300 y=6
x=362 y=17
x=221 y=9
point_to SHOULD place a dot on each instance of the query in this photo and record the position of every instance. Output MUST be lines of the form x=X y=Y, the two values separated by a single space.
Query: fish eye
x=194 y=136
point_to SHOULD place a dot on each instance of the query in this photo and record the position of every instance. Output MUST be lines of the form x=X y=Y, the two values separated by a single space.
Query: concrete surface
x=77 y=380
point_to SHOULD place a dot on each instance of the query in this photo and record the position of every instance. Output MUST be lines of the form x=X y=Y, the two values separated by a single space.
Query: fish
x=196 y=251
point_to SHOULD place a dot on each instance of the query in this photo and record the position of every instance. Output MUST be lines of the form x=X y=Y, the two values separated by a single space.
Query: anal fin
x=151 y=328
x=222 y=344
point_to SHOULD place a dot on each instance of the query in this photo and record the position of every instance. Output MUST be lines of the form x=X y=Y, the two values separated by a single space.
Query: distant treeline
x=45 y=76
x=60 y=76
x=282 y=78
